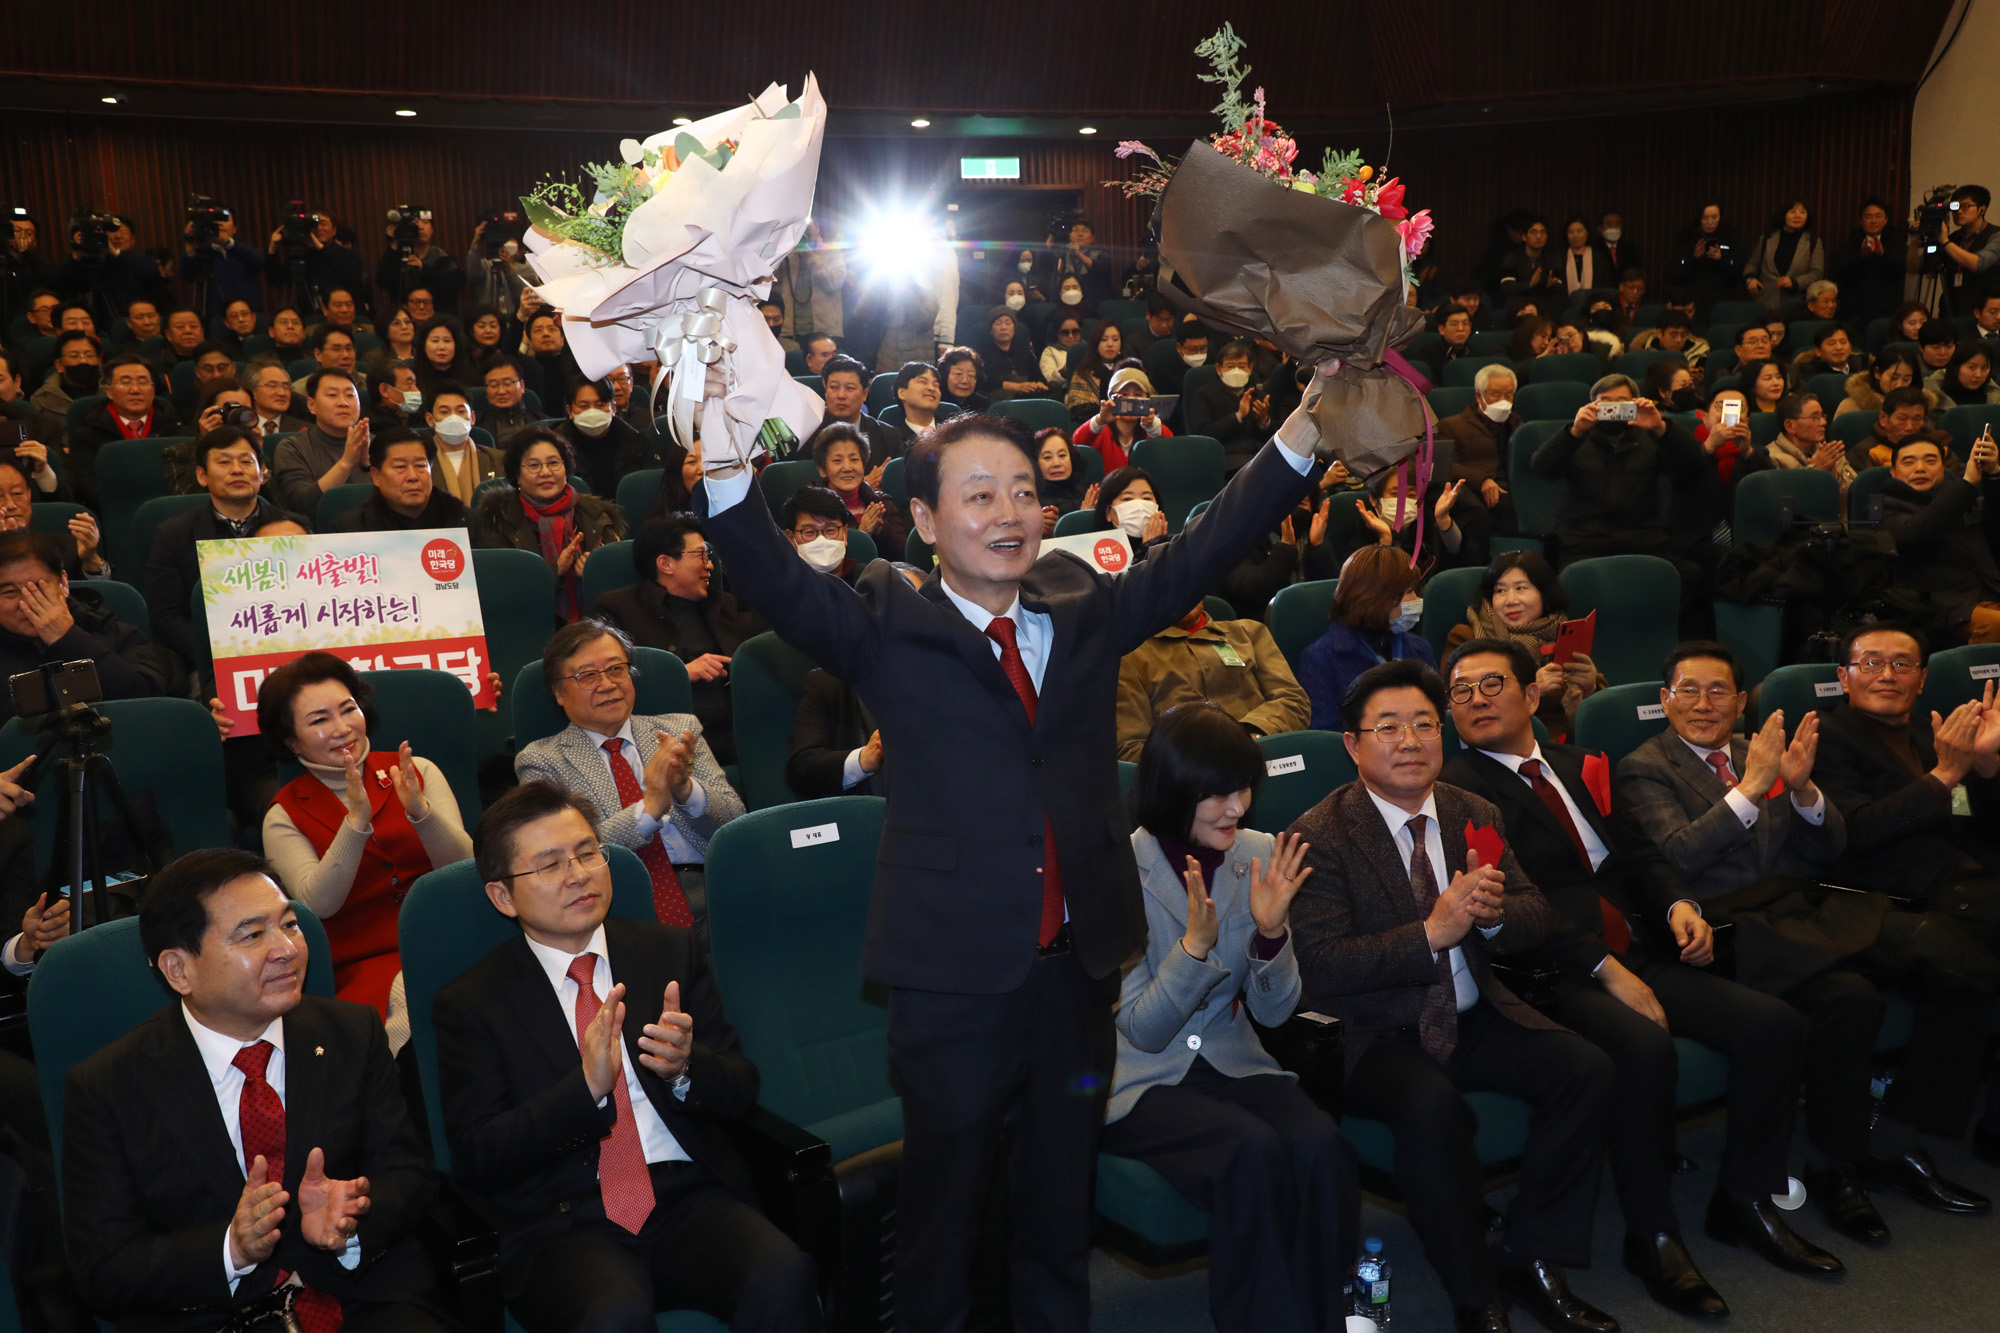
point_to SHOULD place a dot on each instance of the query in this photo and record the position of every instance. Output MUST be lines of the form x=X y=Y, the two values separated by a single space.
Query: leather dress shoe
x=1488 y=1318
x=1539 y=1287
x=1843 y=1198
x=1760 y=1225
x=1986 y=1143
x=1917 y=1175
x=1664 y=1265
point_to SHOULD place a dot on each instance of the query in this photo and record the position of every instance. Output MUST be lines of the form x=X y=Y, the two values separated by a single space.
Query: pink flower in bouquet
x=1416 y=232
x=1389 y=199
x=1127 y=147
x=1351 y=193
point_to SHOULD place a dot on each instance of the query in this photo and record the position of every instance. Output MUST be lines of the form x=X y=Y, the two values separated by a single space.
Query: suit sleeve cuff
x=1297 y=440
x=696 y=804
x=1814 y=814
x=230 y=1272
x=851 y=772
x=7 y=959
x=1744 y=808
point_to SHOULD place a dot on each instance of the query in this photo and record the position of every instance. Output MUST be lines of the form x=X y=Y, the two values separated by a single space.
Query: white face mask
x=1236 y=377
x=1612 y=235
x=824 y=554
x=453 y=430
x=413 y=402
x=1071 y=296
x=1195 y=358
x=1406 y=620
x=592 y=421
x=1026 y=266
x=1499 y=409
x=1016 y=301
x=1134 y=515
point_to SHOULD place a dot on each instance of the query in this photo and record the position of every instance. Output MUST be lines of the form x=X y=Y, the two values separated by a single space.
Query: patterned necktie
x=1001 y=631
x=670 y=903
x=1719 y=761
x=1437 y=1023
x=1617 y=931
x=270 y=428
x=260 y=1117
x=622 y=1177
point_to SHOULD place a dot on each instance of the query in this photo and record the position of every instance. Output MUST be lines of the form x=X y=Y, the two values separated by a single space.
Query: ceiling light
x=920 y=124
x=1087 y=129
x=683 y=120
x=110 y=96
x=405 y=111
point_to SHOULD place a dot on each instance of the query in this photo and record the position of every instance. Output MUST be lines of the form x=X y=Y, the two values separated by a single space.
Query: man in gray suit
x=656 y=773
x=1393 y=933
x=1750 y=831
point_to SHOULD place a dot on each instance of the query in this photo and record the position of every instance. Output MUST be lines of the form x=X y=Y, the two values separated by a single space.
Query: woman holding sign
x=545 y=513
x=1194 y=1093
x=1520 y=598
x=353 y=833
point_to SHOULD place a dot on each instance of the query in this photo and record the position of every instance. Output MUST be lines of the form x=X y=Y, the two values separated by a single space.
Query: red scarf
x=555 y=524
x=142 y=431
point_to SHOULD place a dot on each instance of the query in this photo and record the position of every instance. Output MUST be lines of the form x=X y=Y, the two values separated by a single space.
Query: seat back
x=146 y=520
x=1637 y=599
x=517 y=595
x=54 y=516
x=1551 y=400
x=1763 y=427
x=781 y=480
x=1966 y=424
x=1446 y=596
x=788 y=893
x=1851 y=428
x=767 y=678
x=637 y=492
x=1636 y=364
x=433 y=711
x=917 y=552
x=1491 y=340
x=78 y=408
x=1037 y=413
x=609 y=566
x=1572 y=367
x=1459 y=374
x=447 y=924
x=1079 y=521
x=122 y=600
x=881 y=392
x=1185 y=469
x=1450 y=400
x=1298 y=615
x=1537 y=499
x=1619 y=719
x=1798 y=689
x=339 y=501
x=662 y=687
x=861 y=547
x=1799 y=335
x=1959 y=675
x=1300 y=768
x=1767 y=501
x=92 y=988
x=1864 y=494
x=1737 y=313
x=128 y=475
x=1829 y=388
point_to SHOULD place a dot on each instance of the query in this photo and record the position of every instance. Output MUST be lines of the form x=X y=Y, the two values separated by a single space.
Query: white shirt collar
x=556 y=963
x=1514 y=761
x=624 y=733
x=218 y=1050
x=1702 y=752
x=979 y=615
x=1396 y=817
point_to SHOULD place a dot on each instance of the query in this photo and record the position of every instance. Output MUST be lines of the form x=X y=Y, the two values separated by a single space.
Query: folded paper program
x=701 y=216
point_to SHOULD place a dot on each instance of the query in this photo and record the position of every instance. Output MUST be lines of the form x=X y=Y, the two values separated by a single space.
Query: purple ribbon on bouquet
x=1422 y=458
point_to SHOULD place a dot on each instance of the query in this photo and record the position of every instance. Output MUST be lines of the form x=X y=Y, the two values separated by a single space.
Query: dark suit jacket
x=96 y=429
x=523 y=1127
x=150 y=1180
x=1635 y=877
x=640 y=610
x=832 y=721
x=173 y=569
x=1363 y=955
x=958 y=882
x=1902 y=837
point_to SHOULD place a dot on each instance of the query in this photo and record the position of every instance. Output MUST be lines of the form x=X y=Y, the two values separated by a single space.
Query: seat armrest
x=1534 y=983
x=1311 y=1045
x=1900 y=899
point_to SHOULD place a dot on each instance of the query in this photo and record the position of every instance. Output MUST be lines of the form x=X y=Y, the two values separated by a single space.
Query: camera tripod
x=77 y=727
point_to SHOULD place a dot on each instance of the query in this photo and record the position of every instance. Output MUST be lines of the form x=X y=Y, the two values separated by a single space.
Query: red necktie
x=1437 y=1021
x=670 y=903
x=622 y=1177
x=1617 y=931
x=260 y=1116
x=1001 y=631
x=1719 y=761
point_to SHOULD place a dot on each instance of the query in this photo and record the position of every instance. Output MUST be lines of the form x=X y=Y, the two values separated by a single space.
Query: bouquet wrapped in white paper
x=708 y=212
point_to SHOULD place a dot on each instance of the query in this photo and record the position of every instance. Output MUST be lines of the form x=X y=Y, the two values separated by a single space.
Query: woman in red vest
x=351 y=835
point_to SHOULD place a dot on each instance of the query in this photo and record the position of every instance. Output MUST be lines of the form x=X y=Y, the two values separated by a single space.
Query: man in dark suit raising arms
x=1394 y=941
x=246 y=1134
x=1006 y=895
x=585 y=1128
x=1630 y=991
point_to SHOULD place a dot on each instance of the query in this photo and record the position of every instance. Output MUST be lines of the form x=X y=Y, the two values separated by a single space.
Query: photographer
x=1970 y=255
x=494 y=261
x=1613 y=456
x=103 y=275
x=217 y=266
x=303 y=253
x=411 y=261
x=43 y=621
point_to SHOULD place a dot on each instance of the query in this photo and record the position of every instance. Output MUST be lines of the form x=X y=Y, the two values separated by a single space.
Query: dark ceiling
x=984 y=70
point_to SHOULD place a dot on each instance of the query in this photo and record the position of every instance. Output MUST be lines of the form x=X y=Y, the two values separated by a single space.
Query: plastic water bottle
x=1878 y=1089
x=1371 y=1283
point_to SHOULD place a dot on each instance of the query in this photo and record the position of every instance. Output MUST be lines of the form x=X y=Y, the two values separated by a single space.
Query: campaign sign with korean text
x=381 y=600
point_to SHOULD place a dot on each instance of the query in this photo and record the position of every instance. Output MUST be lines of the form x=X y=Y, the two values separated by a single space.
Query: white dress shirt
x=1464 y=988
x=681 y=850
x=658 y=1141
x=1592 y=844
x=218 y=1055
x=1745 y=808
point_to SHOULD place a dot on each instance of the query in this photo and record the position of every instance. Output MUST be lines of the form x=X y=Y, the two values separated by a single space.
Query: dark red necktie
x=1617 y=931
x=1437 y=1021
x=670 y=902
x=260 y=1117
x=1719 y=761
x=622 y=1177
x=1001 y=631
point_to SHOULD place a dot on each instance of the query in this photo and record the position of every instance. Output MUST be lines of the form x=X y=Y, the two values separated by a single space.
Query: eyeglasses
x=540 y=465
x=1693 y=694
x=1875 y=666
x=703 y=552
x=833 y=530
x=1425 y=729
x=551 y=870
x=1489 y=685
x=503 y=384
x=617 y=671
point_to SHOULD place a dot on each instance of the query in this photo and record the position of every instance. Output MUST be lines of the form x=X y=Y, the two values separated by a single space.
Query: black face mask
x=80 y=377
x=1684 y=400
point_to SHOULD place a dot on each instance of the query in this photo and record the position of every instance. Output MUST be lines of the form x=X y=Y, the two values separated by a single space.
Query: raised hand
x=709 y=666
x=409 y=786
x=1271 y=895
x=47 y=610
x=355 y=454
x=875 y=474
x=602 y=1050
x=665 y=1046
x=1957 y=739
x=1370 y=515
x=1796 y=766
x=260 y=1212
x=1586 y=417
x=871 y=518
x=330 y=1211
x=570 y=559
x=1986 y=739
x=669 y=774
x=1316 y=534
x=1441 y=511
x=354 y=794
x=1472 y=898
x=1089 y=496
x=1201 y=923
x=1695 y=936
x=1156 y=527
x=12 y=794
x=1760 y=764
x=83 y=531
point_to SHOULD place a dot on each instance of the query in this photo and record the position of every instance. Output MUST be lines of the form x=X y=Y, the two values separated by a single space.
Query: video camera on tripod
x=404 y=235
x=205 y=217
x=1934 y=217
x=502 y=227
x=90 y=233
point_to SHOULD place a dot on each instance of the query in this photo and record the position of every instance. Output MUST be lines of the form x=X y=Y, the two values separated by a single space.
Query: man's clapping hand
x=665 y=1045
x=602 y=1047
x=260 y=1212
x=330 y=1211
x=1472 y=899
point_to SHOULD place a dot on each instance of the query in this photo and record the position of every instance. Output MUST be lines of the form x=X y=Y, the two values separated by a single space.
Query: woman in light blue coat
x=1195 y=1095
